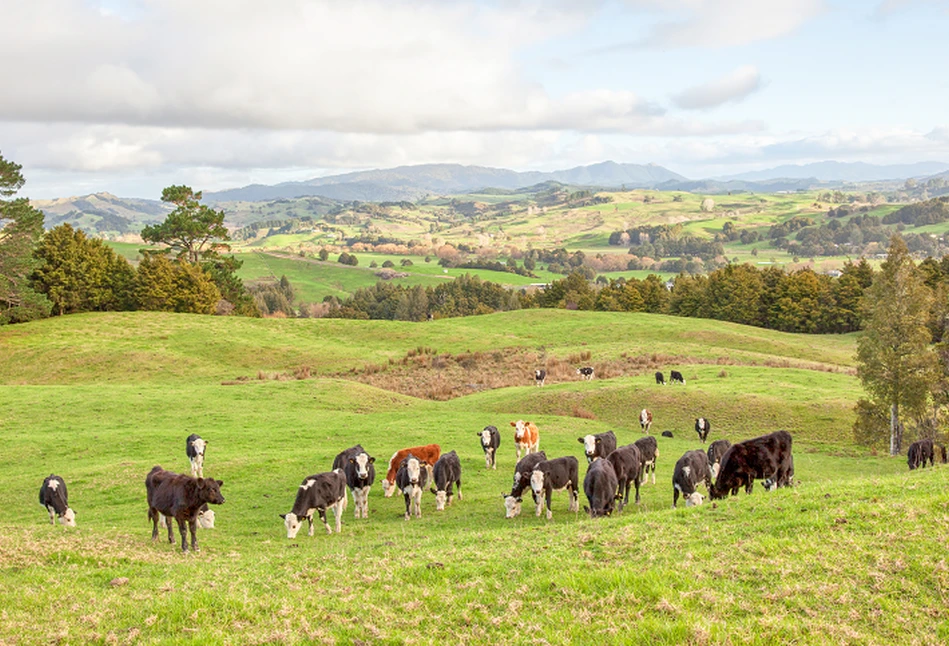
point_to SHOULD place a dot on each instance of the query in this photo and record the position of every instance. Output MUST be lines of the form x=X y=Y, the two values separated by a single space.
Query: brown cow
x=526 y=437
x=427 y=455
x=179 y=497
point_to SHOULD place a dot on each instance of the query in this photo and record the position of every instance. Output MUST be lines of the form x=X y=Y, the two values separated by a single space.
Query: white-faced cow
x=360 y=473
x=660 y=379
x=649 y=452
x=317 y=493
x=180 y=497
x=522 y=481
x=586 y=373
x=676 y=377
x=627 y=463
x=53 y=496
x=556 y=475
x=446 y=474
x=645 y=420
x=342 y=458
x=194 y=448
x=690 y=470
x=715 y=452
x=411 y=479
x=703 y=427
x=766 y=458
x=490 y=441
x=919 y=453
x=526 y=437
x=540 y=376
x=599 y=485
x=598 y=446
x=428 y=454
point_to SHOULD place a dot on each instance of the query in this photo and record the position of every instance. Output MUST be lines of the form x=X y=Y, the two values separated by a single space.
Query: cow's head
x=68 y=518
x=643 y=416
x=485 y=436
x=362 y=462
x=537 y=481
x=210 y=490
x=199 y=446
x=293 y=523
x=590 y=445
x=388 y=488
x=512 y=505
x=206 y=519
x=520 y=427
x=597 y=513
x=441 y=497
x=538 y=374
x=694 y=499
x=413 y=468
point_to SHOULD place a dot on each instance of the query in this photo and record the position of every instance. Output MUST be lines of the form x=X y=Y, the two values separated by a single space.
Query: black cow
x=343 y=457
x=586 y=372
x=360 y=473
x=556 y=475
x=522 y=481
x=627 y=463
x=490 y=441
x=667 y=433
x=317 y=493
x=649 y=451
x=53 y=496
x=599 y=485
x=660 y=379
x=446 y=474
x=411 y=479
x=539 y=376
x=941 y=454
x=766 y=458
x=703 y=427
x=715 y=452
x=598 y=446
x=676 y=377
x=195 y=448
x=919 y=453
x=690 y=470
x=180 y=497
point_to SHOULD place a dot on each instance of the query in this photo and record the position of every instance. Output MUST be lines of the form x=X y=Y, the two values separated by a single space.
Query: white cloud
x=732 y=87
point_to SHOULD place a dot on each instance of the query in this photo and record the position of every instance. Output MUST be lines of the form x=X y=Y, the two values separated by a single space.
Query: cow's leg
x=338 y=510
x=193 y=527
x=183 y=530
x=654 y=473
x=636 y=482
x=539 y=504
x=356 y=495
x=408 y=513
x=517 y=448
x=309 y=519
x=153 y=516
x=459 y=488
x=52 y=515
x=675 y=496
x=418 y=502
x=322 y=512
x=548 y=494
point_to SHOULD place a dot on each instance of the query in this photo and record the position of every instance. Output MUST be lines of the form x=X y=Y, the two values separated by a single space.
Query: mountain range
x=833 y=171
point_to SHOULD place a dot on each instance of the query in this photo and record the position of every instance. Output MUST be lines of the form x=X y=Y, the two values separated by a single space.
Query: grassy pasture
x=854 y=554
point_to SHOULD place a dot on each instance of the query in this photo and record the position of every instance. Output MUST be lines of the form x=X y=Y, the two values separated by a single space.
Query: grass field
x=854 y=554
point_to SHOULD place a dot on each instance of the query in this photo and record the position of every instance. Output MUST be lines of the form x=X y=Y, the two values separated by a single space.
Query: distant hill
x=740 y=186
x=102 y=214
x=415 y=182
x=833 y=171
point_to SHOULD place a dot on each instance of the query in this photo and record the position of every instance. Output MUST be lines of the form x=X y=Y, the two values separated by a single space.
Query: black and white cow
x=649 y=451
x=522 y=481
x=586 y=372
x=715 y=452
x=194 y=448
x=627 y=463
x=318 y=493
x=920 y=452
x=598 y=446
x=411 y=479
x=690 y=470
x=645 y=420
x=446 y=474
x=556 y=475
x=702 y=427
x=676 y=377
x=599 y=485
x=343 y=457
x=360 y=473
x=540 y=375
x=53 y=496
x=490 y=441
x=766 y=458
x=660 y=379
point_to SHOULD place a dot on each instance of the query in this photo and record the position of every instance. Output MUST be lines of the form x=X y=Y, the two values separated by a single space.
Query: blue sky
x=131 y=96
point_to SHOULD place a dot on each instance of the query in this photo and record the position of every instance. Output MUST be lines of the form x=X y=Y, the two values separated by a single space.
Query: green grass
x=853 y=554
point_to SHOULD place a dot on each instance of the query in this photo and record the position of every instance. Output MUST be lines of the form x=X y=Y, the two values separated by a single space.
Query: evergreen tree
x=167 y=286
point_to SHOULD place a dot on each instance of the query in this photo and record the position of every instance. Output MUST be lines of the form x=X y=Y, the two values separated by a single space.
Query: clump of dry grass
x=579 y=411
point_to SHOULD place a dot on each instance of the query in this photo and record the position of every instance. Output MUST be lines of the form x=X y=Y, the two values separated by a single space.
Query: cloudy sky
x=129 y=96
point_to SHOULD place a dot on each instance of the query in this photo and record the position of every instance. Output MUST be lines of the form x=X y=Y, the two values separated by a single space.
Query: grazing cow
x=690 y=470
x=205 y=518
x=766 y=458
x=446 y=473
x=540 y=376
x=649 y=451
x=411 y=479
x=586 y=373
x=627 y=463
x=556 y=475
x=702 y=427
x=598 y=446
x=318 y=493
x=53 y=496
x=599 y=485
x=645 y=420
x=660 y=379
x=526 y=437
x=715 y=452
x=360 y=473
x=343 y=457
x=676 y=376
x=428 y=454
x=180 y=497
x=667 y=433
x=919 y=452
x=195 y=447
x=490 y=441
x=522 y=481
